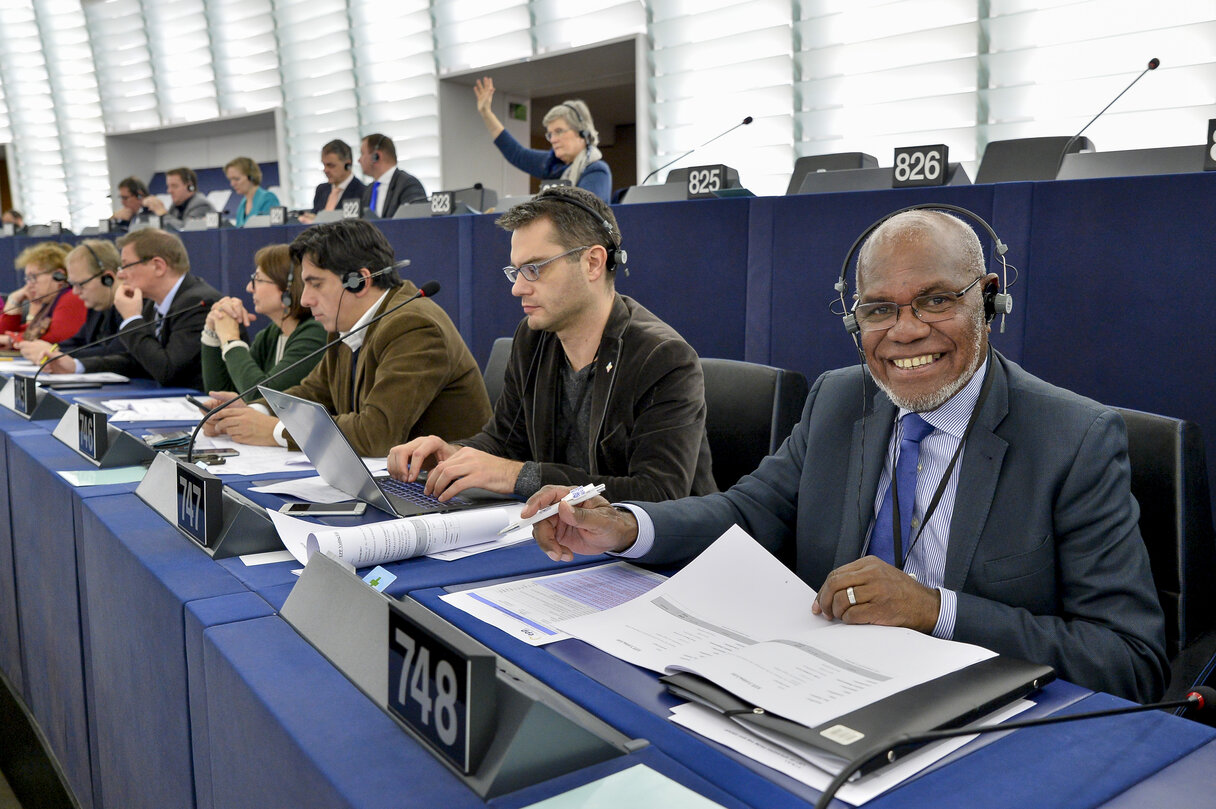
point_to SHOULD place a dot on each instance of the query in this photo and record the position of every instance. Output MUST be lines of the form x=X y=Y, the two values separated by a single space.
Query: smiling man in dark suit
x=1029 y=545
x=390 y=187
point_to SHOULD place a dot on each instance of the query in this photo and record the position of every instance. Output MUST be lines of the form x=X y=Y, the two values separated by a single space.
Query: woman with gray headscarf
x=574 y=156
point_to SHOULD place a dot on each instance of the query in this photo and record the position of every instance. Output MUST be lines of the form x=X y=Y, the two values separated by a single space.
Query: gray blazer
x=1044 y=552
x=196 y=208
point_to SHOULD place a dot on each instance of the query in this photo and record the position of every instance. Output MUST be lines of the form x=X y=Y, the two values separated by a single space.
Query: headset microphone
x=354 y=281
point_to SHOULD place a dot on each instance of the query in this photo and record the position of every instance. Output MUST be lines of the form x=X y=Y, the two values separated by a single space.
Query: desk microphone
x=744 y=122
x=8 y=310
x=427 y=290
x=1199 y=699
x=1153 y=64
x=153 y=322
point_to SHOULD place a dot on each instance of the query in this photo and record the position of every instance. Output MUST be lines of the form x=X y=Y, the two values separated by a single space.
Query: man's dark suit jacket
x=353 y=191
x=403 y=188
x=97 y=326
x=1044 y=552
x=173 y=358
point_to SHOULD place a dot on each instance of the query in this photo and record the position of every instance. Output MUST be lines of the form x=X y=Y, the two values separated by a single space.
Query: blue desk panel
x=10 y=635
x=287 y=729
x=1188 y=783
x=54 y=629
x=1122 y=298
x=137 y=572
x=201 y=615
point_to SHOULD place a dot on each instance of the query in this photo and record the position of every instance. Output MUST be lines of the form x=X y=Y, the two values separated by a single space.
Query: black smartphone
x=350 y=509
x=199 y=403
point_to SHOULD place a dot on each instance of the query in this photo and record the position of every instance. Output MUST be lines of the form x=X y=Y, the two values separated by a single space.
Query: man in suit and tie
x=91 y=269
x=155 y=286
x=390 y=187
x=340 y=182
x=963 y=497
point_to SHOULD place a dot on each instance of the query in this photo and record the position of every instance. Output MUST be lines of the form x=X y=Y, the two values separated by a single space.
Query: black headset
x=106 y=276
x=354 y=281
x=59 y=275
x=996 y=302
x=375 y=150
x=617 y=257
x=580 y=125
x=286 y=297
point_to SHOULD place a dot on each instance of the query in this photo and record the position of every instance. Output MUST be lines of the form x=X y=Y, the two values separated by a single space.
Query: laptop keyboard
x=414 y=492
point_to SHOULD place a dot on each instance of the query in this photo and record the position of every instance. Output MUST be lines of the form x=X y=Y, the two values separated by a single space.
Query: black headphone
x=107 y=277
x=995 y=301
x=616 y=256
x=354 y=281
x=59 y=275
x=580 y=125
x=346 y=165
x=286 y=297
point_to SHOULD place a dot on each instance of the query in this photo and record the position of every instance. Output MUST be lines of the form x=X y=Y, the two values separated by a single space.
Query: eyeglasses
x=553 y=134
x=79 y=285
x=31 y=277
x=932 y=307
x=531 y=272
x=133 y=263
x=256 y=279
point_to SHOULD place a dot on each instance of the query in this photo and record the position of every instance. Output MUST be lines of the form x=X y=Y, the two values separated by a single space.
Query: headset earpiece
x=190 y=188
x=995 y=301
x=353 y=282
x=107 y=279
x=59 y=275
x=617 y=257
x=286 y=297
x=346 y=165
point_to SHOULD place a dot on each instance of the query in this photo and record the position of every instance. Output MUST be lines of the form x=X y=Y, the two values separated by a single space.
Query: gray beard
x=935 y=399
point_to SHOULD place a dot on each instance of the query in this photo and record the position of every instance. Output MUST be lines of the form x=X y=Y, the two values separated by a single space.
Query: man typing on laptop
x=407 y=375
x=597 y=389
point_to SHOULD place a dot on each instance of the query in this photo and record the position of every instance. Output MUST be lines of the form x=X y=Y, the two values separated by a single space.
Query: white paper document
x=738 y=617
x=156 y=408
x=529 y=609
x=100 y=377
x=392 y=540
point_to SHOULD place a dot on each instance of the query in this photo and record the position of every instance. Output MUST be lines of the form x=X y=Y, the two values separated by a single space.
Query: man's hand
x=153 y=204
x=128 y=300
x=307 y=218
x=35 y=350
x=589 y=528
x=123 y=214
x=471 y=468
x=884 y=594
x=243 y=424
x=406 y=461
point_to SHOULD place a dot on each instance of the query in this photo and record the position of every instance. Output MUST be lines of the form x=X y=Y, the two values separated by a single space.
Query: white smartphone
x=350 y=509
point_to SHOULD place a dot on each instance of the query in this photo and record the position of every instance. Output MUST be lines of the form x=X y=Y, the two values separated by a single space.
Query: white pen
x=576 y=495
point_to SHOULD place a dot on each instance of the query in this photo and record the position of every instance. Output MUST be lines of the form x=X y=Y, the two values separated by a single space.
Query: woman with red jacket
x=45 y=308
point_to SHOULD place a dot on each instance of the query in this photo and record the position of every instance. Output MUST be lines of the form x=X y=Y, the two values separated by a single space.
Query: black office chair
x=1026 y=159
x=1170 y=482
x=750 y=409
x=496 y=367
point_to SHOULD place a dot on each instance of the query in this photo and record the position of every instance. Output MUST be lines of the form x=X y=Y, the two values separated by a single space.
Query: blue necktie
x=375 y=193
x=882 y=540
